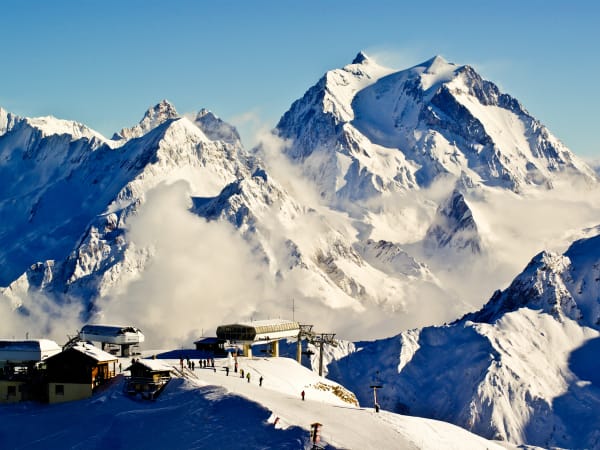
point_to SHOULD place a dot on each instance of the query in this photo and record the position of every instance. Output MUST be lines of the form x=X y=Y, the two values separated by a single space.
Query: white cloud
x=40 y=317
x=202 y=273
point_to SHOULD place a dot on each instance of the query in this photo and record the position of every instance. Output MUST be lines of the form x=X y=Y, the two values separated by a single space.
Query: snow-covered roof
x=108 y=330
x=258 y=330
x=27 y=350
x=155 y=364
x=94 y=352
x=269 y=323
x=28 y=345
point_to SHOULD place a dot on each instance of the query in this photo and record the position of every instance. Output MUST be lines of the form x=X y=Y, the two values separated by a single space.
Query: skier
x=248 y=377
x=302 y=394
x=260 y=381
x=227 y=371
x=241 y=373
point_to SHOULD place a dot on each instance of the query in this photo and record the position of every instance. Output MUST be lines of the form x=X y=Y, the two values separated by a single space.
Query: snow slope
x=212 y=410
x=522 y=369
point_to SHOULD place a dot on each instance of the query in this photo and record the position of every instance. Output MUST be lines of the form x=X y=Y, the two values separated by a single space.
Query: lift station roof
x=111 y=334
x=258 y=331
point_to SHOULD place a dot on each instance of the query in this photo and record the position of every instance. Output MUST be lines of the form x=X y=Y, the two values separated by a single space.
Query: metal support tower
x=321 y=339
x=304 y=333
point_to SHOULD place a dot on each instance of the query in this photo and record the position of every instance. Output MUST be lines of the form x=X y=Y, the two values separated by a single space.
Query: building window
x=59 y=389
x=12 y=391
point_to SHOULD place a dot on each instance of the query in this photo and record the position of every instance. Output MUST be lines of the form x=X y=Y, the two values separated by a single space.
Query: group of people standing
x=202 y=363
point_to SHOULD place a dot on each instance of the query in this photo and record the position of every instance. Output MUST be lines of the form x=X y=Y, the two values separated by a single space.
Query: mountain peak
x=4 y=120
x=162 y=111
x=153 y=117
x=216 y=129
x=437 y=59
x=454 y=226
x=360 y=58
x=540 y=286
x=437 y=64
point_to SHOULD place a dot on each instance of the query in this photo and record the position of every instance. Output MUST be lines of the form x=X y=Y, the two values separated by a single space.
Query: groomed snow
x=209 y=409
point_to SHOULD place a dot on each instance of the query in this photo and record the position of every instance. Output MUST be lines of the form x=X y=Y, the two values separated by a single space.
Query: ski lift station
x=259 y=332
x=122 y=336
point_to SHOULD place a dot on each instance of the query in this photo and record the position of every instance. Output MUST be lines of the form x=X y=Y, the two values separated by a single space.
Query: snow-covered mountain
x=42 y=208
x=433 y=189
x=70 y=195
x=362 y=131
x=524 y=368
x=66 y=231
x=437 y=161
x=297 y=250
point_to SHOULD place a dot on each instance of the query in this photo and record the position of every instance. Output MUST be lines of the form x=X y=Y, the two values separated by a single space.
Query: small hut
x=77 y=372
x=148 y=378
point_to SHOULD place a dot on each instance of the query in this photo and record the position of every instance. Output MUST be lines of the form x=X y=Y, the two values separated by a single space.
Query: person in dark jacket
x=302 y=394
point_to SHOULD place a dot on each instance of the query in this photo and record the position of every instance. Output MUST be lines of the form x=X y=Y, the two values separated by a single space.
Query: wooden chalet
x=148 y=378
x=77 y=372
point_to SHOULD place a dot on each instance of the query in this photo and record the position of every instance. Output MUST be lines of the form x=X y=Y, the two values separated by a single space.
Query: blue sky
x=104 y=63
